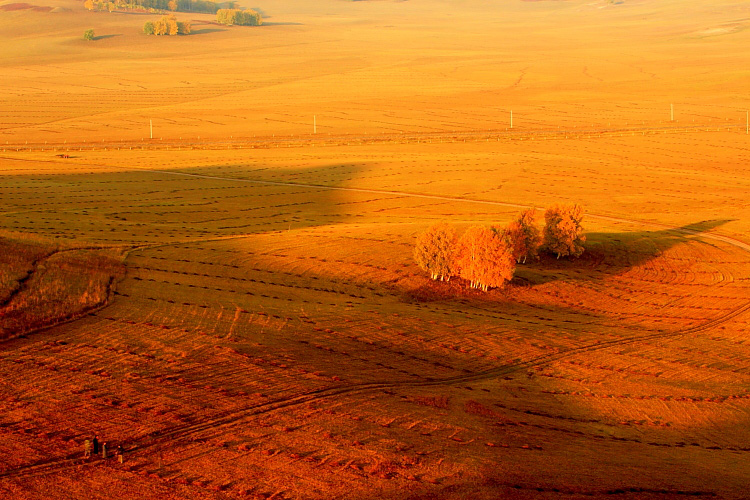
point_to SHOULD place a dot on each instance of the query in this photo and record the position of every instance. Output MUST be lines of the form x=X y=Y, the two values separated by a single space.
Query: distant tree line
x=206 y=6
x=167 y=25
x=239 y=17
x=195 y=6
x=487 y=256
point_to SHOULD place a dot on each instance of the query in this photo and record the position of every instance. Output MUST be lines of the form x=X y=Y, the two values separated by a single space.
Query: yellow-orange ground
x=270 y=335
x=373 y=67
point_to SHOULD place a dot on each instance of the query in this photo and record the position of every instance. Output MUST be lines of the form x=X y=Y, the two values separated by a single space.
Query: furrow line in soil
x=234 y=417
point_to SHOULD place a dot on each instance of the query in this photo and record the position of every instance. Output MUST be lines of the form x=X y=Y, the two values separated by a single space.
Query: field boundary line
x=401 y=137
x=726 y=239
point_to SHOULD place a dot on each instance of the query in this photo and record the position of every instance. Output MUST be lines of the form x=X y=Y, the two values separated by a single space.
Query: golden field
x=236 y=303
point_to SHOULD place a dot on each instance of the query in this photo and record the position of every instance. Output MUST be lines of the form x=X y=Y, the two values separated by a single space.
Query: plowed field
x=242 y=312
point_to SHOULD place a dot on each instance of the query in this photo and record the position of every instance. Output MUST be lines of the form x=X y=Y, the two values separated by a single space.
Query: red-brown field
x=235 y=302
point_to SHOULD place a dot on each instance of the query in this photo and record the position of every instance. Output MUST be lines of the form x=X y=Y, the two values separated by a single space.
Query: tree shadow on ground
x=104 y=37
x=609 y=254
x=205 y=31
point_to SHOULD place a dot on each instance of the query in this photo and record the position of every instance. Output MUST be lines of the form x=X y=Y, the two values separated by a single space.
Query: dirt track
x=235 y=417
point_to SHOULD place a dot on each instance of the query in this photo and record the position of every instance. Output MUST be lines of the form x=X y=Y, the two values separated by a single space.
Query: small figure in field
x=104 y=449
x=120 y=456
x=96 y=444
x=87 y=449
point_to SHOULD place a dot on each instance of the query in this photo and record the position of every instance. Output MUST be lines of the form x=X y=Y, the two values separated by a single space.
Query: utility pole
x=511 y=118
x=747 y=122
x=315 y=124
x=671 y=112
x=151 y=127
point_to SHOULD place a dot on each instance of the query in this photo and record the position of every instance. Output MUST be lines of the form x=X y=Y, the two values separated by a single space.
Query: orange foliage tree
x=434 y=250
x=184 y=28
x=160 y=27
x=172 y=28
x=167 y=25
x=525 y=237
x=239 y=17
x=484 y=258
x=563 y=233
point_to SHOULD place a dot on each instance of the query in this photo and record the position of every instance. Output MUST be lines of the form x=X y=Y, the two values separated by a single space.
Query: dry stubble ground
x=271 y=336
x=277 y=339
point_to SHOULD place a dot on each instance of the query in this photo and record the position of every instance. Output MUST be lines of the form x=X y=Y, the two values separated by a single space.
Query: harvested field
x=242 y=312
x=282 y=330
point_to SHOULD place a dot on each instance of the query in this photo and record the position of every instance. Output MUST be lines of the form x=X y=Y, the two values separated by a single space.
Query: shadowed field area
x=236 y=303
x=271 y=334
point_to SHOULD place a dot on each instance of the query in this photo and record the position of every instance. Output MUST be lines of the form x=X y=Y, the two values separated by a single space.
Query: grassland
x=260 y=329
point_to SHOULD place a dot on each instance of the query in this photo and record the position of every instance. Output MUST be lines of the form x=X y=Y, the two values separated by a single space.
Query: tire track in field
x=234 y=417
x=184 y=431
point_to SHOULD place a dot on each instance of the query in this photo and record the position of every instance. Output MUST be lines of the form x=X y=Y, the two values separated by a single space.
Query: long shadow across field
x=151 y=206
x=104 y=37
x=610 y=254
x=163 y=208
x=205 y=31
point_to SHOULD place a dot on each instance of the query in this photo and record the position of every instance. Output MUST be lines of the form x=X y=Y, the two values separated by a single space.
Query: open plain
x=235 y=302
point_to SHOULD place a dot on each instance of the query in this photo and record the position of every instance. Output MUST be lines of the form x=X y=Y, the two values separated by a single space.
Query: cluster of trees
x=239 y=17
x=194 y=6
x=487 y=256
x=167 y=25
x=154 y=5
x=99 y=5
